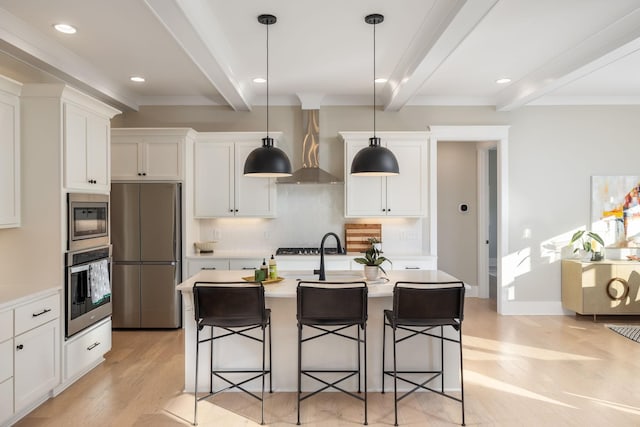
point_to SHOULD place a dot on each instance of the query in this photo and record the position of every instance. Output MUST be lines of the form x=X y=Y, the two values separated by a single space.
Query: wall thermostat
x=463 y=208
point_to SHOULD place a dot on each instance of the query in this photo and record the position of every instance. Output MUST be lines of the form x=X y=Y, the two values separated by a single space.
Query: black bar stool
x=236 y=308
x=418 y=308
x=330 y=308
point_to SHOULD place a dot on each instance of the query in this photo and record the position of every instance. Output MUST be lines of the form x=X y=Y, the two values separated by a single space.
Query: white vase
x=371 y=272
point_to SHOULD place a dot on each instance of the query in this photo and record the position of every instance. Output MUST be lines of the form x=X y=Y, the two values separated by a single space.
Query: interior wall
x=552 y=153
x=30 y=254
x=458 y=231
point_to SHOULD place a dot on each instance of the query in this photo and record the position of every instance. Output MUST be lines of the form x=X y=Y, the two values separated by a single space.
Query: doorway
x=497 y=139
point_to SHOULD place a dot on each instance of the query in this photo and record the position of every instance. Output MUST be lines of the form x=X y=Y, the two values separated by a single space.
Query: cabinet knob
x=19 y=347
x=139 y=173
x=144 y=174
x=384 y=210
x=230 y=210
x=236 y=210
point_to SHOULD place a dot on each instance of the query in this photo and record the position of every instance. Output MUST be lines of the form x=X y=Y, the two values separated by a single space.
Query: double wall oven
x=88 y=262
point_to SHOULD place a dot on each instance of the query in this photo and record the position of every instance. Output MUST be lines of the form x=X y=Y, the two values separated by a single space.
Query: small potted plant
x=372 y=262
x=587 y=245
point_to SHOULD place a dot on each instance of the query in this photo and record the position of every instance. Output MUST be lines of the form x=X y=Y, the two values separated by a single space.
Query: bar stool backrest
x=332 y=302
x=214 y=301
x=428 y=302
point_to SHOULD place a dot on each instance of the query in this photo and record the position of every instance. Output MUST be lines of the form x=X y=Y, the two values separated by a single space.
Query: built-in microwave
x=88 y=217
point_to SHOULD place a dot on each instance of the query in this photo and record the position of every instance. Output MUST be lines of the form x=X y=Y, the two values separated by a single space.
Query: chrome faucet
x=321 y=272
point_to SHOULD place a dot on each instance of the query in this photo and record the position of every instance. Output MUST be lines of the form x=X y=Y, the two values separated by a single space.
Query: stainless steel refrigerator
x=146 y=239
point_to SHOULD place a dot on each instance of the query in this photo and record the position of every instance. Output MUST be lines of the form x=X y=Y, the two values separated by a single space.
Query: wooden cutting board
x=357 y=235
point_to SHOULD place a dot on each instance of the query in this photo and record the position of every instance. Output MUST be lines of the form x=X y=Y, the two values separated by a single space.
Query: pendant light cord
x=374 y=80
x=267 y=80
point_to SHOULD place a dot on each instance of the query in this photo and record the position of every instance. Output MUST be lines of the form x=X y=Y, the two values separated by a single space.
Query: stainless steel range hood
x=310 y=172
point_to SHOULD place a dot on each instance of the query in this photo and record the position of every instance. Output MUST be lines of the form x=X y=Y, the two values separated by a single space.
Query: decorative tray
x=264 y=282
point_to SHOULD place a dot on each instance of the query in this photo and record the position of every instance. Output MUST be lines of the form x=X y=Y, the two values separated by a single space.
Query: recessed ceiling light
x=65 y=28
x=137 y=79
x=503 y=80
x=380 y=80
x=259 y=80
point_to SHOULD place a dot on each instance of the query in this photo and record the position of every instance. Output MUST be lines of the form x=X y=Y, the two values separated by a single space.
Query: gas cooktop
x=306 y=251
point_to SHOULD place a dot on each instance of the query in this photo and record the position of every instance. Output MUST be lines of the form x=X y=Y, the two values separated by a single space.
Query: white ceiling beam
x=603 y=48
x=32 y=47
x=196 y=29
x=445 y=27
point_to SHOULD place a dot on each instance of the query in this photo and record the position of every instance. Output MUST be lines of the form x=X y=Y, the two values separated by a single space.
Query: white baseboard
x=532 y=308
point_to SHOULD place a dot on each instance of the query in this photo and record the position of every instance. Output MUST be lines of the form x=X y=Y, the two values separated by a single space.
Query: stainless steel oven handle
x=78 y=268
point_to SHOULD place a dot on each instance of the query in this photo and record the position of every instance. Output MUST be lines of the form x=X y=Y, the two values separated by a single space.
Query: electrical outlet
x=216 y=234
x=267 y=235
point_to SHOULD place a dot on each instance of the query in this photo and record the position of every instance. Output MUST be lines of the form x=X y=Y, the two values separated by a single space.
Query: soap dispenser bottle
x=265 y=269
x=273 y=268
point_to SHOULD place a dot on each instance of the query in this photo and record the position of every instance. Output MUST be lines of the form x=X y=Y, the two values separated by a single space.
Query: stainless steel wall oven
x=88 y=221
x=88 y=288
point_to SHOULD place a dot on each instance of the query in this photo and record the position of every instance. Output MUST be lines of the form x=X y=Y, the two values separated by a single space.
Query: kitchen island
x=331 y=352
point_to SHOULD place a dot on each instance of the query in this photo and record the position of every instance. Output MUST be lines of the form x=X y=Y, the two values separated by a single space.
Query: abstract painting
x=615 y=210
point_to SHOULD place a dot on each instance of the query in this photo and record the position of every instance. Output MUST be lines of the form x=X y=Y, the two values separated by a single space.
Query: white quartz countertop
x=287 y=287
x=14 y=295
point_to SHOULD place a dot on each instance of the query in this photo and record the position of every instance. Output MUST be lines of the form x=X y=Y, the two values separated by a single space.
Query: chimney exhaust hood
x=310 y=172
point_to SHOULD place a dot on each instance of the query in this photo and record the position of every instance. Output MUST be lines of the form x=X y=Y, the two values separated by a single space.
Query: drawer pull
x=46 y=310
x=248 y=268
x=625 y=289
x=412 y=268
x=208 y=268
x=19 y=347
x=92 y=346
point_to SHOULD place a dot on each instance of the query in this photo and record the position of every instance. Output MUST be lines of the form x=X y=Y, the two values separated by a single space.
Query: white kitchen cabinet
x=29 y=353
x=60 y=116
x=195 y=265
x=86 y=148
x=308 y=263
x=248 y=264
x=9 y=153
x=87 y=349
x=6 y=400
x=38 y=312
x=149 y=154
x=6 y=365
x=36 y=363
x=403 y=195
x=221 y=189
x=406 y=263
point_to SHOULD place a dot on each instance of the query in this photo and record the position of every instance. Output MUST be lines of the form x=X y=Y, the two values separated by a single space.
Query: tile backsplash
x=305 y=214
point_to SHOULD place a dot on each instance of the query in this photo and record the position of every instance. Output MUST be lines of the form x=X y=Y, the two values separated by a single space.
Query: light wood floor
x=519 y=371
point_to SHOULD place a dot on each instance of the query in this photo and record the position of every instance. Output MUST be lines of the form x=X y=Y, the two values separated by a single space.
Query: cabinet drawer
x=36 y=313
x=87 y=349
x=195 y=265
x=413 y=264
x=6 y=360
x=6 y=325
x=245 y=264
x=6 y=400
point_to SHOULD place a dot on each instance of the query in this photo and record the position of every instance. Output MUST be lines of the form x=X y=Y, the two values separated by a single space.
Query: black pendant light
x=374 y=160
x=267 y=161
